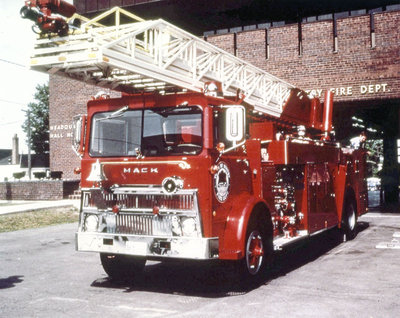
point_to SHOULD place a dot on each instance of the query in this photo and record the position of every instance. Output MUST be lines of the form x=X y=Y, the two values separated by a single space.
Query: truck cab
x=153 y=184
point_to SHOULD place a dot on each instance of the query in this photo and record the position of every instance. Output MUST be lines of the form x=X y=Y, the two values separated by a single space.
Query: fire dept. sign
x=222 y=182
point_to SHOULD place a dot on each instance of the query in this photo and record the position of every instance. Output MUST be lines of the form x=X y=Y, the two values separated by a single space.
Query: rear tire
x=349 y=218
x=122 y=267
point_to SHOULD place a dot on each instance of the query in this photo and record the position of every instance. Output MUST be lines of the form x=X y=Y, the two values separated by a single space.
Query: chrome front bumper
x=148 y=246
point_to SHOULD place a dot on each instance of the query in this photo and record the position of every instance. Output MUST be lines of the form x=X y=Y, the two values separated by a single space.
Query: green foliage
x=375 y=156
x=39 y=118
x=36 y=219
x=19 y=175
x=39 y=174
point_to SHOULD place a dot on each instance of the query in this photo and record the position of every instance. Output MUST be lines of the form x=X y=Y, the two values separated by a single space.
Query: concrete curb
x=29 y=206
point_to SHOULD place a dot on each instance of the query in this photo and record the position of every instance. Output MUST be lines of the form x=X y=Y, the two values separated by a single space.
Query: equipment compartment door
x=321 y=197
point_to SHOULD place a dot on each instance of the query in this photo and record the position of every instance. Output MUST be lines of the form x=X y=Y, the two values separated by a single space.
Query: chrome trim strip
x=149 y=212
x=150 y=190
x=182 y=164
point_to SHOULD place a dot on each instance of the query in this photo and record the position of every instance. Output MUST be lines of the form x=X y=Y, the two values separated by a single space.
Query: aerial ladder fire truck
x=204 y=156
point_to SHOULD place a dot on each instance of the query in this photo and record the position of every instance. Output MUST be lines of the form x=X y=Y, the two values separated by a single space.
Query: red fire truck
x=203 y=157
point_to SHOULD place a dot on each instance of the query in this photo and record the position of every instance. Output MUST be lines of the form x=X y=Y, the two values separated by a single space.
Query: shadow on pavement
x=220 y=278
x=10 y=281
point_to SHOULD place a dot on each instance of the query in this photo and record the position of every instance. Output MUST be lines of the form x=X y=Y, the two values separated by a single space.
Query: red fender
x=232 y=245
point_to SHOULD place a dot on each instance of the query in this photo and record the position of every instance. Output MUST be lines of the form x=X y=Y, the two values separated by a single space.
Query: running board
x=281 y=241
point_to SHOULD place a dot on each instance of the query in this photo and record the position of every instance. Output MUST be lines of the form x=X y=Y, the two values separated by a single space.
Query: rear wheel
x=349 y=218
x=122 y=267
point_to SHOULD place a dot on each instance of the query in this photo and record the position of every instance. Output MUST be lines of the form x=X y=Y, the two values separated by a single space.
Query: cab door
x=231 y=178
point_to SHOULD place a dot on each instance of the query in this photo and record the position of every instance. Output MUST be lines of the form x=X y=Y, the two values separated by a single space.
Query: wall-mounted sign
x=365 y=89
x=61 y=131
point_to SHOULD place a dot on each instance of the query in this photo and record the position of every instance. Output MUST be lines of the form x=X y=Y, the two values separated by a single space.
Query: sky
x=17 y=82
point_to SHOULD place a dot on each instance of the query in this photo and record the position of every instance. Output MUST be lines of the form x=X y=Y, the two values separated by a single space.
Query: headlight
x=91 y=223
x=188 y=226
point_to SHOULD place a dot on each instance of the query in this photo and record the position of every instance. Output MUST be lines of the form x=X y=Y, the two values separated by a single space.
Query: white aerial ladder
x=153 y=55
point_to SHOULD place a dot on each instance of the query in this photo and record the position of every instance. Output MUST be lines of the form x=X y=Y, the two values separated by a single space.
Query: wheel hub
x=254 y=252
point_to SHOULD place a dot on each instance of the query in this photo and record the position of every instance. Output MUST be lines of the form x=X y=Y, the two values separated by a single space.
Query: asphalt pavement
x=41 y=275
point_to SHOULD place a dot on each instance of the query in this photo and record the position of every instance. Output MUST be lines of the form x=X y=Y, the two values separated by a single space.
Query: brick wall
x=37 y=190
x=356 y=71
x=68 y=98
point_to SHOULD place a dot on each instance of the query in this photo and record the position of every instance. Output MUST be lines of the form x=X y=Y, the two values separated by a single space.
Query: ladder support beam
x=158 y=52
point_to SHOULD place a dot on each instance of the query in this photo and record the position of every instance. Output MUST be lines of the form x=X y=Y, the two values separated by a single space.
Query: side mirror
x=235 y=124
x=78 y=134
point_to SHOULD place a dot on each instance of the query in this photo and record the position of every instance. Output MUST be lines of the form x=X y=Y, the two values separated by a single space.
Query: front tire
x=122 y=267
x=258 y=249
x=254 y=256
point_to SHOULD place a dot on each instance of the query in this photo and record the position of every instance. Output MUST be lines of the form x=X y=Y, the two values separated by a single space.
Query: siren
x=213 y=89
x=172 y=184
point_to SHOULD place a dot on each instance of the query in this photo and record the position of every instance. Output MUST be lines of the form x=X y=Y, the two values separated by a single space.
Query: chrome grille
x=147 y=201
x=143 y=224
x=140 y=201
x=142 y=211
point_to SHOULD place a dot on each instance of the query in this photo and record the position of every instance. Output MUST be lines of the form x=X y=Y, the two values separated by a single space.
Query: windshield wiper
x=116 y=114
x=173 y=111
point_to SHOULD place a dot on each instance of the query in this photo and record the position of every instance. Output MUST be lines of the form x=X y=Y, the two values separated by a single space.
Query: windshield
x=150 y=132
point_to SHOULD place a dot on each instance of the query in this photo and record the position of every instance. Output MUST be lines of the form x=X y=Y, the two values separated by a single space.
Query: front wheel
x=258 y=250
x=254 y=253
x=122 y=267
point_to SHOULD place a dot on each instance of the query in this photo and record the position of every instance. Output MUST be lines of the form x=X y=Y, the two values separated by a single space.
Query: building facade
x=357 y=57
x=356 y=54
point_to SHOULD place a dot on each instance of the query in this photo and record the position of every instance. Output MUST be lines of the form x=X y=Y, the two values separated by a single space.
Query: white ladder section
x=155 y=55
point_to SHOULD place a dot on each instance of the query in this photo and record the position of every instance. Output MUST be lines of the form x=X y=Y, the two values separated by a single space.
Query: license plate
x=137 y=248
